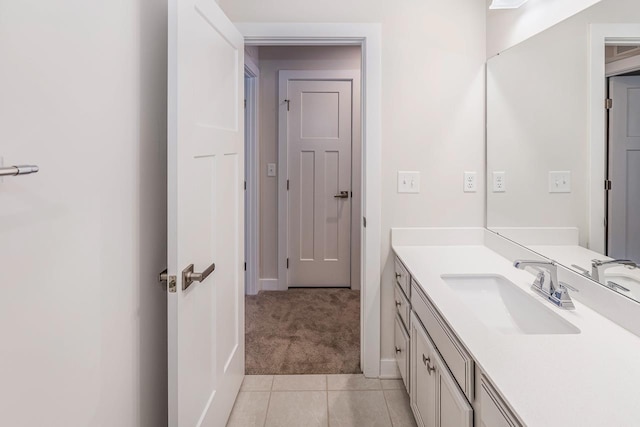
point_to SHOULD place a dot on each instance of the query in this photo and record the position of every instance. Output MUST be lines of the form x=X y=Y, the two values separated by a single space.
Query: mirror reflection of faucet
x=547 y=283
x=598 y=267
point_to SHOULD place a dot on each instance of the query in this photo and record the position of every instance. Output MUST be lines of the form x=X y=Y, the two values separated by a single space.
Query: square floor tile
x=358 y=409
x=352 y=382
x=297 y=409
x=250 y=409
x=299 y=382
x=392 y=384
x=399 y=408
x=257 y=383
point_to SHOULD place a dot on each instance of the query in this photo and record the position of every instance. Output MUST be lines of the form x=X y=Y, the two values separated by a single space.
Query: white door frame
x=283 y=163
x=601 y=36
x=252 y=156
x=368 y=36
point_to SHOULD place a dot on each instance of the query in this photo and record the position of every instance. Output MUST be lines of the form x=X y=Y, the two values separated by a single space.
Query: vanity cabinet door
x=452 y=408
x=423 y=378
x=402 y=351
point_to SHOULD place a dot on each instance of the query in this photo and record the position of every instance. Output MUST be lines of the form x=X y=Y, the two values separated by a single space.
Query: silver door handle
x=18 y=170
x=342 y=195
x=188 y=276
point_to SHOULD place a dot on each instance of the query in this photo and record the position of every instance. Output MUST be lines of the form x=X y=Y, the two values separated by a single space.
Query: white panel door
x=205 y=213
x=319 y=136
x=624 y=169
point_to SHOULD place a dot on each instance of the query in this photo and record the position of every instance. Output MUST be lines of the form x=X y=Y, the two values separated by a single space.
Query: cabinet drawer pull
x=425 y=360
x=398 y=275
x=398 y=303
x=430 y=369
x=398 y=350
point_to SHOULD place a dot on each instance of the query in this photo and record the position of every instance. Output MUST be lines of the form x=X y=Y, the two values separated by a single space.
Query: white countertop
x=587 y=379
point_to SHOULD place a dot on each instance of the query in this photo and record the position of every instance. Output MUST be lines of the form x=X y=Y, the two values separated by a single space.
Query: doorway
x=623 y=152
x=308 y=151
x=368 y=38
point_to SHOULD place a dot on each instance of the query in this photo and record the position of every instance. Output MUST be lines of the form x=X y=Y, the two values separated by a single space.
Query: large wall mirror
x=563 y=163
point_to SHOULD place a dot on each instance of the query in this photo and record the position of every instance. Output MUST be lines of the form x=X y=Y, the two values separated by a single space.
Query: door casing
x=368 y=36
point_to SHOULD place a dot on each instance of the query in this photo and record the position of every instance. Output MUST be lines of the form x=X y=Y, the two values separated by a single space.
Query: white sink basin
x=503 y=306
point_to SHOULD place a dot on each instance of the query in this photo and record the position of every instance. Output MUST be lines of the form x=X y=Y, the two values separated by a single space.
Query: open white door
x=205 y=213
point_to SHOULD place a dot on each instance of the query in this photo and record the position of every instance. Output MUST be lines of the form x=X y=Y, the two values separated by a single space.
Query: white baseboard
x=389 y=369
x=268 y=285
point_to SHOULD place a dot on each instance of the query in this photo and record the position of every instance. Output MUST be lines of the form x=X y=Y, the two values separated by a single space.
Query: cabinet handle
x=430 y=369
x=425 y=360
x=398 y=350
x=398 y=275
x=398 y=303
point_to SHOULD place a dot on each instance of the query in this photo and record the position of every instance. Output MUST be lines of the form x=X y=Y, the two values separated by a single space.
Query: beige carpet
x=303 y=331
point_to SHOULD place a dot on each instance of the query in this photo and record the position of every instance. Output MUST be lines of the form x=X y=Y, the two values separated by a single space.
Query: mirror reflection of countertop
x=585 y=379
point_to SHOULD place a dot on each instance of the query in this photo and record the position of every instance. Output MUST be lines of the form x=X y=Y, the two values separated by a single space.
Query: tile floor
x=321 y=400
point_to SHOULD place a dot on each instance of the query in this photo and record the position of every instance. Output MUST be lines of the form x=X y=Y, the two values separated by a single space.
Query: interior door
x=624 y=169
x=205 y=214
x=319 y=139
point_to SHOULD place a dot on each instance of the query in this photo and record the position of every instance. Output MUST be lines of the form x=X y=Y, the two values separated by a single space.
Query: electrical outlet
x=559 y=182
x=469 y=182
x=271 y=169
x=499 y=182
x=408 y=182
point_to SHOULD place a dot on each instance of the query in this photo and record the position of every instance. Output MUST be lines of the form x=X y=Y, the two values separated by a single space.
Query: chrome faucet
x=547 y=283
x=598 y=267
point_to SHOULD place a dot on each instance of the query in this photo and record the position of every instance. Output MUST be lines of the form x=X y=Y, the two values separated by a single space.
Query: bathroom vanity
x=476 y=346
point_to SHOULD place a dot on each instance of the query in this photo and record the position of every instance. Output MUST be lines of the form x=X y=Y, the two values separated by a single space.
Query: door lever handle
x=188 y=275
x=342 y=195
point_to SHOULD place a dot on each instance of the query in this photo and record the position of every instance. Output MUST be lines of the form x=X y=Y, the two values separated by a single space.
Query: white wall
x=272 y=60
x=433 y=56
x=508 y=27
x=538 y=121
x=83 y=318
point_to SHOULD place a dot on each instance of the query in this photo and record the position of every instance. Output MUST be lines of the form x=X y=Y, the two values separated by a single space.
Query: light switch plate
x=271 y=169
x=408 y=182
x=469 y=182
x=559 y=182
x=499 y=182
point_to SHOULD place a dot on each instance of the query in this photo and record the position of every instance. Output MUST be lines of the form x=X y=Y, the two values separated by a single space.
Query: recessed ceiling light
x=506 y=4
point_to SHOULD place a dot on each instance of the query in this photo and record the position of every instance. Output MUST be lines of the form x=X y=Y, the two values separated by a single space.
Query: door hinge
x=287 y=185
x=170 y=281
x=287 y=262
x=245 y=104
x=607 y=184
x=364 y=221
x=288 y=101
x=245 y=185
x=608 y=103
x=245 y=266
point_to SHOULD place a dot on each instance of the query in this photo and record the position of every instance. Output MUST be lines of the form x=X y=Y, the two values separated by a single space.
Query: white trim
x=369 y=37
x=268 y=285
x=284 y=76
x=601 y=35
x=389 y=369
x=252 y=156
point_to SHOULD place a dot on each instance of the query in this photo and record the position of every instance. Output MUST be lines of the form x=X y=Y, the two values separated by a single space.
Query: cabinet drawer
x=402 y=277
x=402 y=350
x=403 y=307
x=493 y=411
x=455 y=356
